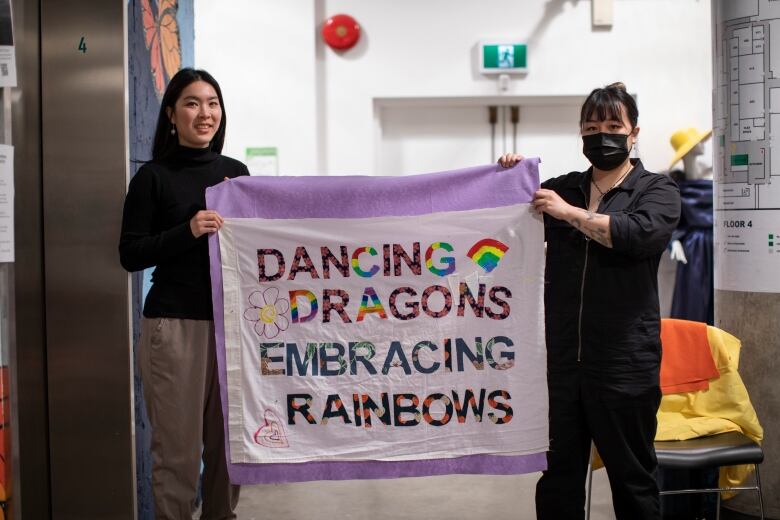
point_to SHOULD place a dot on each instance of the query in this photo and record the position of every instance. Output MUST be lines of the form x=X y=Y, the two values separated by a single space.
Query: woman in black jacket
x=605 y=229
x=165 y=225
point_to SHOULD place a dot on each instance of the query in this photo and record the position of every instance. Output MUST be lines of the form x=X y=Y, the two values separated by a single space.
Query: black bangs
x=603 y=107
x=608 y=103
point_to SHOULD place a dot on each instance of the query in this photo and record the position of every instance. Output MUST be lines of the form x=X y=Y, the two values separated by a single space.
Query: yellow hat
x=685 y=139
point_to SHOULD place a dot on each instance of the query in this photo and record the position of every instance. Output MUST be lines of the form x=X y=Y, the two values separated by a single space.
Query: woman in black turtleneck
x=165 y=225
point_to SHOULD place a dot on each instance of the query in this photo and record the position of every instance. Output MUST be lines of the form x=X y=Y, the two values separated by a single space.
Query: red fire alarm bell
x=341 y=32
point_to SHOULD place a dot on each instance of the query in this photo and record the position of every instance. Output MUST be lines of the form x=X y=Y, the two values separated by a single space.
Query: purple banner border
x=362 y=197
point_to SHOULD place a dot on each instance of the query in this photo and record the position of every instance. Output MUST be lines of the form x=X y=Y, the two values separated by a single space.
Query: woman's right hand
x=205 y=221
x=510 y=159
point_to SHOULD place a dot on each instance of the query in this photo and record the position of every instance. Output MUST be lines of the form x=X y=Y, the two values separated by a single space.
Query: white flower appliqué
x=268 y=312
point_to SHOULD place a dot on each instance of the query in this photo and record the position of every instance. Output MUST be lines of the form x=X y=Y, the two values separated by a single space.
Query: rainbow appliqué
x=376 y=305
x=487 y=253
x=294 y=305
x=449 y=261
x=356 y=262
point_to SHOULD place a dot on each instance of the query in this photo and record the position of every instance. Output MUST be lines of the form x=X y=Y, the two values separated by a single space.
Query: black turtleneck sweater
x=161 y=199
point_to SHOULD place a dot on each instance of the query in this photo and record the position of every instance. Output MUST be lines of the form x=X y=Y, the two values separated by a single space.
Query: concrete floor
x=452 y=497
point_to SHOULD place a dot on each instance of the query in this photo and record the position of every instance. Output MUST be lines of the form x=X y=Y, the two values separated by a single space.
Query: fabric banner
x=375 y=327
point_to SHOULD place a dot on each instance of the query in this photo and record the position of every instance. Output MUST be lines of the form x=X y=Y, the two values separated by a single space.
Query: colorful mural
x=160 y=42
x=161 y=33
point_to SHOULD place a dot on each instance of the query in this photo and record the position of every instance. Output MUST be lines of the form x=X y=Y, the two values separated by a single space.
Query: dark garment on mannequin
x=693 y=289
x=693 y=299
x=603 y=343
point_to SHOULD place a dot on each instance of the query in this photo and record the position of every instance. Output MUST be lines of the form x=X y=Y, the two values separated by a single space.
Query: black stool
x=724 y=449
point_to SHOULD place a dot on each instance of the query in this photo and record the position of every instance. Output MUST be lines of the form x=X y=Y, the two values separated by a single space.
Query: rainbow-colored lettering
x=376 y=305
x=294 y=295
x=447 y=260
x=356 y=262
x=487 y=253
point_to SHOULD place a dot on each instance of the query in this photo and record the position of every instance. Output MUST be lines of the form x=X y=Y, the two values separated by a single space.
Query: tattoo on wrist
x=594 y=231
x=600 y=236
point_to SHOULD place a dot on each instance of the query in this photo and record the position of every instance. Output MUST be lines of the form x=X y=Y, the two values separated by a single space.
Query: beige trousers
x=177 y=362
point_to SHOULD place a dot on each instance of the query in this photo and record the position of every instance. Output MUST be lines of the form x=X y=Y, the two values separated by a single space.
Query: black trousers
x=623 y=434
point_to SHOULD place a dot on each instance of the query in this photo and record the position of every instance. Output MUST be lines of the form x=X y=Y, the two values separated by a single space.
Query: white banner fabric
x=388 y=338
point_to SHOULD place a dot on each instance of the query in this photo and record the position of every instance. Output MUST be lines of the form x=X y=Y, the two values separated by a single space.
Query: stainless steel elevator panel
x=84 y=142
x=31 y=489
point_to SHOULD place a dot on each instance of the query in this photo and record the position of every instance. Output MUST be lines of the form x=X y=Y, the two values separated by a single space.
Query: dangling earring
x=173 y=129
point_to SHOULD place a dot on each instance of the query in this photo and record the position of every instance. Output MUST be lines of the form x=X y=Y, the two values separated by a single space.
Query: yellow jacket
x=724 y=407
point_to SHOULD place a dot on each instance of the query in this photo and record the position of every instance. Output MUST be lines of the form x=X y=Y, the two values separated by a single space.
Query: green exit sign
x=503 y=58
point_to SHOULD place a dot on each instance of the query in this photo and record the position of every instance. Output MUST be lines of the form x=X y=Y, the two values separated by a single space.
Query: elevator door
x=84 y=178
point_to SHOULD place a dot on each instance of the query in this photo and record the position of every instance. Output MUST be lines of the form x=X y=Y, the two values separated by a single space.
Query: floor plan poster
x=747 y=145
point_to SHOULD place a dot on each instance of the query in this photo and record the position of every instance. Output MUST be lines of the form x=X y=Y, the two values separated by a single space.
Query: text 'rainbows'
x=487 y=253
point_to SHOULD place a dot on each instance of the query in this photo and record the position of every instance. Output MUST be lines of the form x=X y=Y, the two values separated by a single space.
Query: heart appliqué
x=271 y=434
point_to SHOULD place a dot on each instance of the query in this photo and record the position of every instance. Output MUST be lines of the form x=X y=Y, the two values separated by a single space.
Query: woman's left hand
x=547 y=201
x=205 y=221
x=508 y=160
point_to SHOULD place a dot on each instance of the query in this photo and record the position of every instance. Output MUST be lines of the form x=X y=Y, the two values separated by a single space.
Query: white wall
x=450 y=134
x=262 y=53
x=284 y=88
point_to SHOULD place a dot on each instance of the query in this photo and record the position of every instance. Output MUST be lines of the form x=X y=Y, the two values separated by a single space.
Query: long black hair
x=164 y=141
x=606 y=104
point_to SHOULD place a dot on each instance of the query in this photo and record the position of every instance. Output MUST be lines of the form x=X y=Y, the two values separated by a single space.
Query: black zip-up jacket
x=602 y=312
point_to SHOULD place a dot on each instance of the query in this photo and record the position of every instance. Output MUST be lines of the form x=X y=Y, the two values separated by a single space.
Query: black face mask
x=605 y=151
